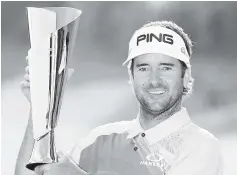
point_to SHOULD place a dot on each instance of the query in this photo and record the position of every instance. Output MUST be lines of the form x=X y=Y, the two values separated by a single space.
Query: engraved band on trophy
x=52 y=35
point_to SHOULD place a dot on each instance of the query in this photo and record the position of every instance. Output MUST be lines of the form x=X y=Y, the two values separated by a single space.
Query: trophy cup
x=52 y=35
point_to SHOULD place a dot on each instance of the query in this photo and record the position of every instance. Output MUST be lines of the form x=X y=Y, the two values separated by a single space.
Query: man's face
x=157 y=81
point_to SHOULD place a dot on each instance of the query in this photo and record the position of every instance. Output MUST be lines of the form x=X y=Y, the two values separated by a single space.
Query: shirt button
x=135 y=148
x=143 y=134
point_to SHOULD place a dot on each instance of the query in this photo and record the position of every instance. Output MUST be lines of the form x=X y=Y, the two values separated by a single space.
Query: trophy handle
x=44 y=151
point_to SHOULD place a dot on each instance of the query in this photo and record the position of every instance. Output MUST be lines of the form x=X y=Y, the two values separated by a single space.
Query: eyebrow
x=161 y=64
x=167 y=64
x=142 y=64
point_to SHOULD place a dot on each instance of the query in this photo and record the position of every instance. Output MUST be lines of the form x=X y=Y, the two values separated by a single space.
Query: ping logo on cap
x=149 y=37
x=156 y=39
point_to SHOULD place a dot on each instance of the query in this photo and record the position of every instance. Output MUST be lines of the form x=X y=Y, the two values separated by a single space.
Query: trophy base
x=44 y=151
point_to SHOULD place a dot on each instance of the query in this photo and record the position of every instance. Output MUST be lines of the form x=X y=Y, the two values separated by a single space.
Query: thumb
x=60 y=153
x=61 y=156
x=70 y=72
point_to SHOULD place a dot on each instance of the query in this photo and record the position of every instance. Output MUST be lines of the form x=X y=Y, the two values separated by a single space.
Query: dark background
x=98 y=92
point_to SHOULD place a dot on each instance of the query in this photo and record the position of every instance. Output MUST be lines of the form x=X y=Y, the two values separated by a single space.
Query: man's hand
x=25 y=84
x=65 y=167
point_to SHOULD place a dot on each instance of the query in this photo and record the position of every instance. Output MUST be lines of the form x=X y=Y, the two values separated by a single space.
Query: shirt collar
x=165 y=128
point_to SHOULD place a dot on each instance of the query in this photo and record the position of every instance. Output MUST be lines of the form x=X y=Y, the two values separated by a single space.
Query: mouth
x=156 y=92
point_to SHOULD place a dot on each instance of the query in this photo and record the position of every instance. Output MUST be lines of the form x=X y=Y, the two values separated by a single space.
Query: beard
x=154 y=106
x=158 y=104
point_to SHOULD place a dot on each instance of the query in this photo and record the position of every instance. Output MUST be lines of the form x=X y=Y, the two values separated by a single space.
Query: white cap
x=156 y=39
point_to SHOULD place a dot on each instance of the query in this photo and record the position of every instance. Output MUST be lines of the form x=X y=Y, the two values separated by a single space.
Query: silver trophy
x=52 y=35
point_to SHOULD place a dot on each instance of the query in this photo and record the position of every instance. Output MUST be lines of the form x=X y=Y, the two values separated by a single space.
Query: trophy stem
x=44 y=151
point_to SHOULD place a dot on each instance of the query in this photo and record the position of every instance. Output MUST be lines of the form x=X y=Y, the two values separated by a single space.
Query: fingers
x=27 y=70
x=41 y=169
x=25 y=84
x=38 y=170
x=70 y=72
x=27 y=77
x=27 y=60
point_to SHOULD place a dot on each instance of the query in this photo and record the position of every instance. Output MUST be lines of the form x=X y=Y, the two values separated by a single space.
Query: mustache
x=158 y=86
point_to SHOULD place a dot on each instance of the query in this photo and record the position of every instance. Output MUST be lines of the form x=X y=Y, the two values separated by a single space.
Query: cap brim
x=125 y=62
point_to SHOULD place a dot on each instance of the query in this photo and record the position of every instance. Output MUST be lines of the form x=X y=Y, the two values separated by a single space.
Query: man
x=162 y=139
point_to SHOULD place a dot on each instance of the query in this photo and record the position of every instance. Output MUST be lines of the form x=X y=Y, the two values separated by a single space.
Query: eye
x=142 y=69
x=166 y=68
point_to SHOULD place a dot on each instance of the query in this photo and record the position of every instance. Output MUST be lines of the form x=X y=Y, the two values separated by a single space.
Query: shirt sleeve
x=75 y=153
x=207 y=160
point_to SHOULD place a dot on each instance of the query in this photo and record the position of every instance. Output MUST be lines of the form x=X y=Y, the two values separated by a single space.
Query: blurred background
x=98 y=92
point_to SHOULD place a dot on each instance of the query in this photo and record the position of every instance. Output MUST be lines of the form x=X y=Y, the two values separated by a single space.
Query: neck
x=149 y=119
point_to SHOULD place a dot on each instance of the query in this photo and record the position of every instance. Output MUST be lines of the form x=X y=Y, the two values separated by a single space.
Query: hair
x=188 y=43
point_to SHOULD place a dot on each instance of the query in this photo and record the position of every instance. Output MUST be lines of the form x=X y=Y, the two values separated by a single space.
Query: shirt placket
x=143 y=148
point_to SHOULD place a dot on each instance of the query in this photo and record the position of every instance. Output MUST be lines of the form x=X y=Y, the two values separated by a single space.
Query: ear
x=186 y=78
x=130 y=81
x=130 y=76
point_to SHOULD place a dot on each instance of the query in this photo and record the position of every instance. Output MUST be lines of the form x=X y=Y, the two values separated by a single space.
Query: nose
x=154 y=78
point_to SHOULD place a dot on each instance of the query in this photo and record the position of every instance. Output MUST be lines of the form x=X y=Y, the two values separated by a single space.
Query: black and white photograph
x=118 y=87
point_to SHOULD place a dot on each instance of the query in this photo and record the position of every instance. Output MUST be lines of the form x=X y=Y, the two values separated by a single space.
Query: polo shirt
x=176 y=146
